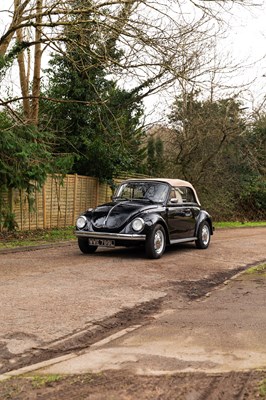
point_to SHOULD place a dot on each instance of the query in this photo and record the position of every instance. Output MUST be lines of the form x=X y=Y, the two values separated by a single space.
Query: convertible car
x=149 y=212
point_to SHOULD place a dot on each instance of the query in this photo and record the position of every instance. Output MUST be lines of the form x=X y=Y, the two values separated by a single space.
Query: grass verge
x=36 y=237
x=262 y=389
x=38 y=381
x=239 y=224
x=258 y=269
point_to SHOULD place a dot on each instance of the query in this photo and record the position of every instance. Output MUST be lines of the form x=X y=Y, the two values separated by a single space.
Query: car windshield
x=149 y=191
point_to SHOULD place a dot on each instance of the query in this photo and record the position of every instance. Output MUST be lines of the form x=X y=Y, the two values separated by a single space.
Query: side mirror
x=174 y=200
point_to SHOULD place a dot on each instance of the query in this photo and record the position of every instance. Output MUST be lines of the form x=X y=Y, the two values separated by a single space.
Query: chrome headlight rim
x=81 y=222
x=138 y=224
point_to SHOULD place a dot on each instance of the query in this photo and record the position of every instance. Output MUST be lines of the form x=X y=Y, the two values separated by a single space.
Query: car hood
x=114 y=216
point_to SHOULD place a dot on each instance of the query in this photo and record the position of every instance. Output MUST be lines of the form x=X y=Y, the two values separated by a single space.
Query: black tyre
x=204 y=235
x=85 y=247
x=155 y=242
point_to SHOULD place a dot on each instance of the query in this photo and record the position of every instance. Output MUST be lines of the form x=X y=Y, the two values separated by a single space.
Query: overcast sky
x=248 y=38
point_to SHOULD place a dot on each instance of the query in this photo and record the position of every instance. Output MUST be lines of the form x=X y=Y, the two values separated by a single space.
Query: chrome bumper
x=106 y=235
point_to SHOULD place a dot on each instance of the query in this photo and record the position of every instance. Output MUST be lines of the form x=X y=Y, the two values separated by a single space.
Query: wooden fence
x=57 y=204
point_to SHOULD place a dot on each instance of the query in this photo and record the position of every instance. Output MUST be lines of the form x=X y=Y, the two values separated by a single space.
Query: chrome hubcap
x=205 y=235
x=158 y=241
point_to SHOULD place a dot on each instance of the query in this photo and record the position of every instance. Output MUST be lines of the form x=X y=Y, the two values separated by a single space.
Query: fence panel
x=57 y=204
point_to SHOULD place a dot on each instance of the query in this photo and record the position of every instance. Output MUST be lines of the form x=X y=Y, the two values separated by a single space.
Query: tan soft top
x=172 y=182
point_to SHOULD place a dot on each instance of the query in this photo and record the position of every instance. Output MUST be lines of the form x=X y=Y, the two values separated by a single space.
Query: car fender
x=203 y=216
x=153 y=219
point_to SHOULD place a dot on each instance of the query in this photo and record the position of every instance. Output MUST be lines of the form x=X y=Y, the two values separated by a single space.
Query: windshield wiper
x=121 y=198
x=132 y=199
x=149 y=200
x=146 y=199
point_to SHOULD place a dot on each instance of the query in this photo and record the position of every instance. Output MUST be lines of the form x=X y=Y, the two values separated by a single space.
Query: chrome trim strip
x=106 y=235
x=183 y=240
x=107 y=216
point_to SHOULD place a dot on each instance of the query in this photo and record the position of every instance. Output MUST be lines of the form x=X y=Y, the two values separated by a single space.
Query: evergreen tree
x=91 y=116
x=26 y=155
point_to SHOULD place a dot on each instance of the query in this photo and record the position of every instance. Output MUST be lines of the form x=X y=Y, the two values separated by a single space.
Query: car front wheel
x=85 y=247
x=155 y=242
x=204 y=235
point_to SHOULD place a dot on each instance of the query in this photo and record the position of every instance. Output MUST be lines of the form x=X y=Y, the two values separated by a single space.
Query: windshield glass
x=151 y=191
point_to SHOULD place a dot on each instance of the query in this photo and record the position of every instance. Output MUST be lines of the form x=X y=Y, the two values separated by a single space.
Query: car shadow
x=138 y=252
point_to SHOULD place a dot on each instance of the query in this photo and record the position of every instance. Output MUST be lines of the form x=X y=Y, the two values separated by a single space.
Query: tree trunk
x=24 y=79
x=16 y=20
x=37 y=66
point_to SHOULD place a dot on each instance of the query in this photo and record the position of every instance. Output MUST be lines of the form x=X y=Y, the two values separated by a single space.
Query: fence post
x=44 y=205
x=97 y=192
x=66 y=186
x=10 y=199
x=75 y=199
x=21 y=209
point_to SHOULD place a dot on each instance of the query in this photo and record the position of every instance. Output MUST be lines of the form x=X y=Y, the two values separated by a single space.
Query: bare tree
x=162 y=42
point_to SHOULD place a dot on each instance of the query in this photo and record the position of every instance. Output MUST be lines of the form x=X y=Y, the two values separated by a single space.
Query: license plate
x=102 y=242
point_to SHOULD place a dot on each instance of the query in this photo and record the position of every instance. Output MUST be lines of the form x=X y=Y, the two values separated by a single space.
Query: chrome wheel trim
x=205 y=235
x=158 y=241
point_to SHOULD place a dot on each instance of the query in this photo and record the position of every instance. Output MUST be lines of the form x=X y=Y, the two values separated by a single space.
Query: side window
x=182 y=194
x=172 y=194
x=176 y=195
x=186 y=195
x=190 y=196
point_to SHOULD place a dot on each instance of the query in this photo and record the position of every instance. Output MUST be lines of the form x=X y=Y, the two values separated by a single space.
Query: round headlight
x=138 y=224
x=81 y=222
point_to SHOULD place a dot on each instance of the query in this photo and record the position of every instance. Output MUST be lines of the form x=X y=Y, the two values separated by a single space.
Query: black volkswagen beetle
x=152 y=212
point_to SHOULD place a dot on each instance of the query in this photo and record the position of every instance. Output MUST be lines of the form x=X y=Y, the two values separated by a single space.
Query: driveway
x=160 y=316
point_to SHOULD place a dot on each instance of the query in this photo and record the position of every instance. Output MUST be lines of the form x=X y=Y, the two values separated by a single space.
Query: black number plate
x=102 y=242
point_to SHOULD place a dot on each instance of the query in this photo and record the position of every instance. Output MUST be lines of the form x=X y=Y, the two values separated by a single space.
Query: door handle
x=188 y=212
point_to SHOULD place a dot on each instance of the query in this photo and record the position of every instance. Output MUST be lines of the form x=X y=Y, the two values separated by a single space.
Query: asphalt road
x=53 y=295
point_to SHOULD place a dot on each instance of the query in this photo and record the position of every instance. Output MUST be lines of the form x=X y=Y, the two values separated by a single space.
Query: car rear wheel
x=155 y=242
x=85 y=247
x=204 y=236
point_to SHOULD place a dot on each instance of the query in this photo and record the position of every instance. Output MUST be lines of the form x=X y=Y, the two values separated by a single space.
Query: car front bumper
x=114 y=236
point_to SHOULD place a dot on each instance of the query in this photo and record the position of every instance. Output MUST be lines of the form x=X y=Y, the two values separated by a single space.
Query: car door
x=181 y=215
